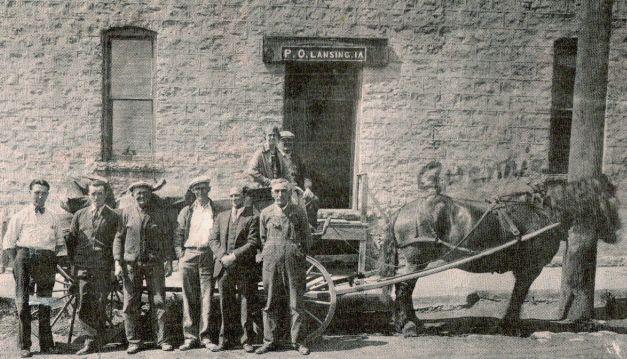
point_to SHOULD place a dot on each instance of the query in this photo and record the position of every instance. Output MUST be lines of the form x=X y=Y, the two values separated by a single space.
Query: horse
x=440 y=227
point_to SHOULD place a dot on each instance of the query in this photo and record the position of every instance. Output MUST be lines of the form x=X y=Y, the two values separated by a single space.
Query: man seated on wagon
x=296 y=173
x=89 y=246
x=267 y=162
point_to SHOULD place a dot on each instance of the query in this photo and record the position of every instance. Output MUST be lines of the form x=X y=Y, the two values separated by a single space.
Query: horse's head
x=73 y=193
x=588 y=202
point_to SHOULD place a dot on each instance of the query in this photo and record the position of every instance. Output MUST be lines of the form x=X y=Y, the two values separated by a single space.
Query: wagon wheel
x=65 y=304
x=320 y=298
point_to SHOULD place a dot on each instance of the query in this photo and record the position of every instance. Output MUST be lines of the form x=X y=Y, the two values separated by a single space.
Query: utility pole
x=586 y=153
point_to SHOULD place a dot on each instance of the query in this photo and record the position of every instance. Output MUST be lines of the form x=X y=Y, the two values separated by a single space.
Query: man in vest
x=234 y=240
x=142 y=249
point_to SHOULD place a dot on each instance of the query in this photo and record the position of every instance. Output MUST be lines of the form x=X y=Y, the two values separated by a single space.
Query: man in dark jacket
x=234 y=240
x=196 y=264
x=143 y=249
x=285 y=237
x=89 y=246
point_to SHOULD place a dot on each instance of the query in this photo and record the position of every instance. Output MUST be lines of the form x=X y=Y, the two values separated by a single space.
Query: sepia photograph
x=322 y=178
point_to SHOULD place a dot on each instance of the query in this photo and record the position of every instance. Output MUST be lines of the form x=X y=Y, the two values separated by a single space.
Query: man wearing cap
x=142 y=249
x=32 y=239
x=89 y=246
x=296 y=173
x=234 y=240
x=196 y=263
x=285 y=236
x=267 y=162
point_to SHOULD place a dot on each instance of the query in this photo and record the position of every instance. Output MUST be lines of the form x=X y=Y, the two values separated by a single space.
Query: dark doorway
x=320 y=103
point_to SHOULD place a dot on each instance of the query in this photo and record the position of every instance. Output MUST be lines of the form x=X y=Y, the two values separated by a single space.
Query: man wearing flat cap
x=196 y=263
x=285 y=237
x=267 y=162
x=234 y=241
x=296 y=173
x=142 y=249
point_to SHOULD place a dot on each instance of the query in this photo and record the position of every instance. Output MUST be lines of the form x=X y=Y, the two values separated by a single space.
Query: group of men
x=140 y=242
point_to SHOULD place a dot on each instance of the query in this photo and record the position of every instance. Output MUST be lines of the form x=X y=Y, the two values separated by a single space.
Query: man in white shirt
x=196 y=263
x=33 y=238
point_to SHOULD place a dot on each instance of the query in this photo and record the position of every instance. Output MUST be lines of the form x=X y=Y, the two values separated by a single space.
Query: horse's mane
x=589 y=202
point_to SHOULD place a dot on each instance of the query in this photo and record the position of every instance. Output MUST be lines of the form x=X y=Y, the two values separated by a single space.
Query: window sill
x=144 y=166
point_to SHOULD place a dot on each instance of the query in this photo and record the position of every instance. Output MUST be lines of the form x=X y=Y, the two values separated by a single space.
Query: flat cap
x=139 y=184
x=280 y=183
x=199 y=180
x=286 y=134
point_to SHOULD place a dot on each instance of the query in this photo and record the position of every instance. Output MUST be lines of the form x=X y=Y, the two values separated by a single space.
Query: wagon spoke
x=310 y=269
x=317 y=302
x=313 y=316
x=56 y=317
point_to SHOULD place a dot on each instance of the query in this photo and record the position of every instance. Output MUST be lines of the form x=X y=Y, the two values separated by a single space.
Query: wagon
x=322 y=288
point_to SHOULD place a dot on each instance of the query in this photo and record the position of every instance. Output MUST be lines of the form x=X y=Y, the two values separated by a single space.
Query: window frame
x=558 y=164
x=121 y=33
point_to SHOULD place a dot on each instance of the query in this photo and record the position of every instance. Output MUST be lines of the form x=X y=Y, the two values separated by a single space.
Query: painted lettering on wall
x=306 y=53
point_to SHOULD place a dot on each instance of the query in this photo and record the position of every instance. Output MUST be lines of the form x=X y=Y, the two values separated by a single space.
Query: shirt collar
x=35 y=208
x=200 y=206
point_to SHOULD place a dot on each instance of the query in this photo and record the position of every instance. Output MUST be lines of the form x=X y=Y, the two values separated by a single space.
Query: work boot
x=248 y=348
x=267 y=347
x=303 y=350
x=166 y=347
x=25 y=353
x=188 y=344
x=89 y=347
x=133 y=349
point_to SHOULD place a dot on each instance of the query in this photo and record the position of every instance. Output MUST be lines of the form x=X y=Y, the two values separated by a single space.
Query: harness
x=496 y=205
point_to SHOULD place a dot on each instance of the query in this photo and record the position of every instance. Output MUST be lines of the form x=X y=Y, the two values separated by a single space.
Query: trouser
x=93 y=286
x=40 y=265
x=231 y=284
x=132 y=286
x=284 y=282
x=196 y=267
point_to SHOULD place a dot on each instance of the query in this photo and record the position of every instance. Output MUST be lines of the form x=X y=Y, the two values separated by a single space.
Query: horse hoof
x=410 y=330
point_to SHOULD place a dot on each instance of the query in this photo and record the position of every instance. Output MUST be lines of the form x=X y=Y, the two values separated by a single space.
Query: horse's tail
x=387 y=256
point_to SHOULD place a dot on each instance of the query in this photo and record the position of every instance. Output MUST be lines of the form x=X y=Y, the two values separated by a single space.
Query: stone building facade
x=467 y=82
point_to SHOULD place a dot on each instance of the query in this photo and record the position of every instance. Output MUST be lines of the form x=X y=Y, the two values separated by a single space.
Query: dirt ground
x=449 y=333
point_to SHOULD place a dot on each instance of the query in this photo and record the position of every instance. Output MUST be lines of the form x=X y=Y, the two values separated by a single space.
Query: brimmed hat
x=141 y=184
x=287 y=135
x=199 y=180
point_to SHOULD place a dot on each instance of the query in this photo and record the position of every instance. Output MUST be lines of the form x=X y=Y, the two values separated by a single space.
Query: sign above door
x=368 y=51
x=319 y=53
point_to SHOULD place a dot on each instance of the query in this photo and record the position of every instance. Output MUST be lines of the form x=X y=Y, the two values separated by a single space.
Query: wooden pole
x=586 y=152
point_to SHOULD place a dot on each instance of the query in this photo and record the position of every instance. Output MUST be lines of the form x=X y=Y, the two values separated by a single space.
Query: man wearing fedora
x=234 y=241
x=142 y=249
x=196 y=263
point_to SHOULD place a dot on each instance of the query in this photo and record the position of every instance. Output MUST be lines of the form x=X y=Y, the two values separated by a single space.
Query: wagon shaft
x=455 y=264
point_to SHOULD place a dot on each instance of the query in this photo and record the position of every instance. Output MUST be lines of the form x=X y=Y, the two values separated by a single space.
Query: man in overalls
x=285 y=235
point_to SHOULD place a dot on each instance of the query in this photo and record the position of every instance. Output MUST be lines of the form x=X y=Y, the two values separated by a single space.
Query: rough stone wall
x=469 y=82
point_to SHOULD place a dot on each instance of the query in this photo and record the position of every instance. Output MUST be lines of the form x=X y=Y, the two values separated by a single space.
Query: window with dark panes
x=562 y=89
x=128 y=122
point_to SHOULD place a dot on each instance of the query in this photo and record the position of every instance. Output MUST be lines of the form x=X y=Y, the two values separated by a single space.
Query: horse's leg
x=524 y=276
x=405 y=320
